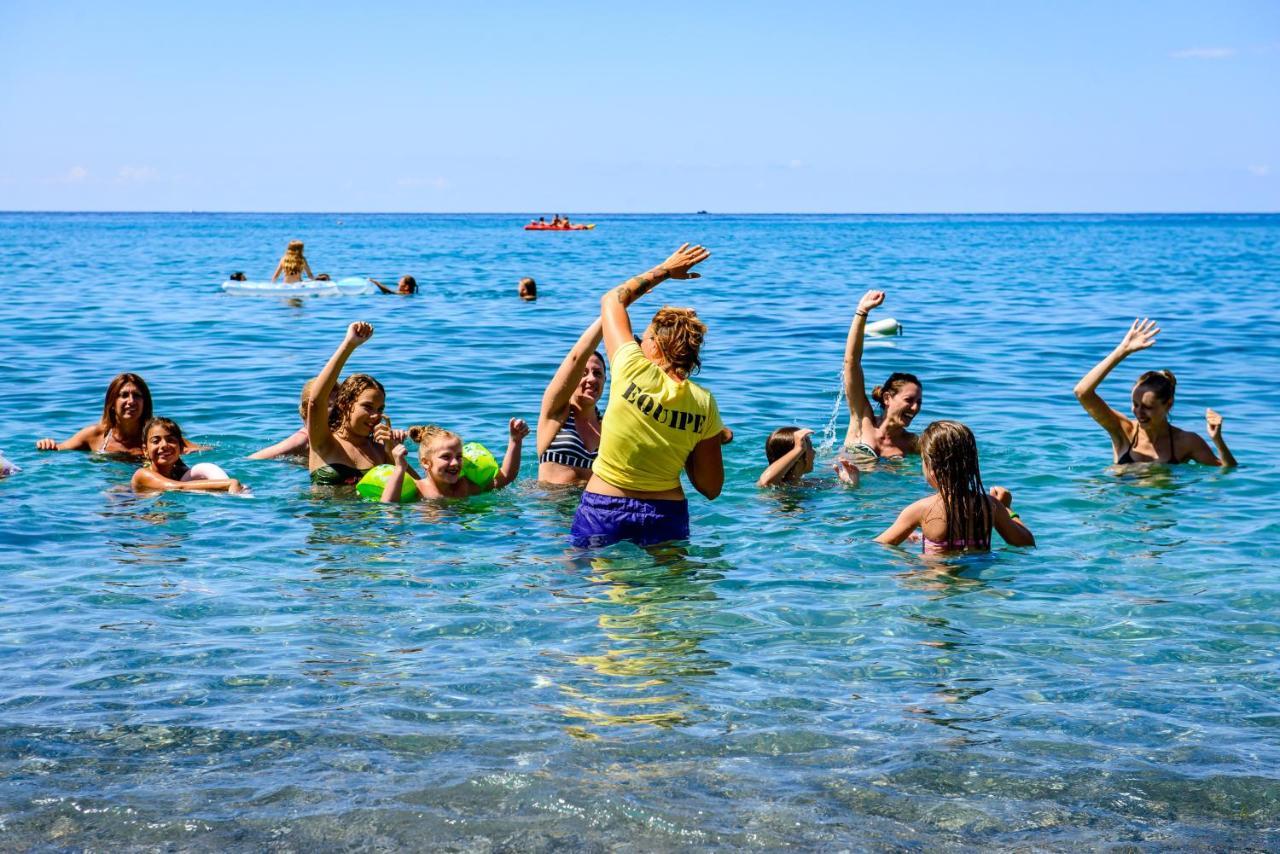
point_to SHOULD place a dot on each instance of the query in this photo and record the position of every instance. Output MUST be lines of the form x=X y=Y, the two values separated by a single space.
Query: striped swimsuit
x=567 y=448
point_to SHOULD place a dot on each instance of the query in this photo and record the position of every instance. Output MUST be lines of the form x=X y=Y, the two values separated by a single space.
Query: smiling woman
x=354 y=437
x=125 y=411
x=872 y=436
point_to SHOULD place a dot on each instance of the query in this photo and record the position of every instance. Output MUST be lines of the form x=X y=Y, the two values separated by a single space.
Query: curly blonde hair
x=679 y=335
x=293 y=262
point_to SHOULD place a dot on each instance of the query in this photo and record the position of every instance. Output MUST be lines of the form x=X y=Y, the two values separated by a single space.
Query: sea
x=299 y=670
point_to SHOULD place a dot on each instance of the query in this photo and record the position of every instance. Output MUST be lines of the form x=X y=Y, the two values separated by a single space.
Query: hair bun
x=416 y=433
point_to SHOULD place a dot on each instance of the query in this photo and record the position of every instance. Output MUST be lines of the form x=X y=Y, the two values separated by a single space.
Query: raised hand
x=519 y=429
x=1213 y=421
x=359 y=332
x=870 y=300
x=398 y=455
x=801 y=437
x=847 y=471
x=679 y=264
x=1141 y=335
x=999 y=493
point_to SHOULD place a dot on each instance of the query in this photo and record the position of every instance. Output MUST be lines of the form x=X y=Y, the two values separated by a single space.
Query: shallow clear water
x=293 y=670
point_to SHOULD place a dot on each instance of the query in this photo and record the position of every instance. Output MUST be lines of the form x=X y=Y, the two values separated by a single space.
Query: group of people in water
x=657 y=424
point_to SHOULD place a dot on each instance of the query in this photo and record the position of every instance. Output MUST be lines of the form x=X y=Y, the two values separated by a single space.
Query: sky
x=570 y=107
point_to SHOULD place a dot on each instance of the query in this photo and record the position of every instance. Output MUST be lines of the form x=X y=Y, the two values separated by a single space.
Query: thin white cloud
x=136 y=174
x=1261 y=170
x=74 y=175
x=1204 y=53
x=429 y=183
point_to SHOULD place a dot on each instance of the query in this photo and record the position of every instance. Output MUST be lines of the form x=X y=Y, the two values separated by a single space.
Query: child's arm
x=391 y=492
x=381 y=287
x=1006 y=521
x=279 y=270
x=777 y=470
x=306 y=266
x=146 y=480
x=908 y=520
x=511 y=461
x=296 y=444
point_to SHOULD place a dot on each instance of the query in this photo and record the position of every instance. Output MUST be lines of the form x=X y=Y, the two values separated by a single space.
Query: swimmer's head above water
x=361 y=400
x=439 y=451
x=900 y=397
x=1153 y=397
x=528 y=289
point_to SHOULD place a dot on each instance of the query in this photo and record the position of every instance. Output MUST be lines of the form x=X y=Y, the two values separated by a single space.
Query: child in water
x=292 y=265
x=790 y=454
x=407 y=286
x=440 y=452
x=165 y=470
x=961 y=514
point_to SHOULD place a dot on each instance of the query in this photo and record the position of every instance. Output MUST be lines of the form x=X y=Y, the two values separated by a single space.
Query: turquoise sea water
x=296 y=671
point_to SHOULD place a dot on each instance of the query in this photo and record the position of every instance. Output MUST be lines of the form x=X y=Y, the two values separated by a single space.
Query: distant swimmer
x=293 y=264
x=871 y=436
x=237 y=276
x=125 y=412
x=569 y=422
x=165 y=469
x=406 y=286
x=354 y=437
x=1148 y=437
x=528 y=289
x=440 y=452
x=658 y=424
x=960 y=515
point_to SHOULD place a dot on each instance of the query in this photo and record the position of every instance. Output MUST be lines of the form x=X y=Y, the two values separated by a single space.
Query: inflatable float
x=534 y=226
x=350 y=286
x=884 y=326
x=375 y=480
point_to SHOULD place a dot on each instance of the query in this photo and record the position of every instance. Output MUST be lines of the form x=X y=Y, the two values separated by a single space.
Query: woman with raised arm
x=872 y=436
x=355 y=436
x=569 y=423
x=658 y=421
x=1149 y=437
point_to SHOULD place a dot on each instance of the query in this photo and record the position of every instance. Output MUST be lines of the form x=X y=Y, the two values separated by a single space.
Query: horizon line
x=4 y=211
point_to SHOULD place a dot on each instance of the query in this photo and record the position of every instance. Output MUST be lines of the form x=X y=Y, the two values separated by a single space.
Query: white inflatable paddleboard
x=350 y=286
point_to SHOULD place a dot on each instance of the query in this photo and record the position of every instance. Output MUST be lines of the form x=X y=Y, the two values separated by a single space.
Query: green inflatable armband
x=478 y=465
x=375 y=480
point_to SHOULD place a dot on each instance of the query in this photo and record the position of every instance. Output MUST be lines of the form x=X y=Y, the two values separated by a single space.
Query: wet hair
x=113 y=391
x=351 y=389
x=1163 y=383
x=604 y=363
x=164 y=424
x=323 y=277
x=428 y=435
x=679 y=334
x=951 y=452
x=528 y=288
x=292 y=261
x=409 y=282
x=237 y=276
x=779 y=443
x=892 y=386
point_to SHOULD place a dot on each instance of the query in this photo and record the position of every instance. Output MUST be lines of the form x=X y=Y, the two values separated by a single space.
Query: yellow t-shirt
x=651 y=424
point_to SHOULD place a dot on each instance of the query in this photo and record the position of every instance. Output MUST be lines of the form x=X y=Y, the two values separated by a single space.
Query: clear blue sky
x=566 y=106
